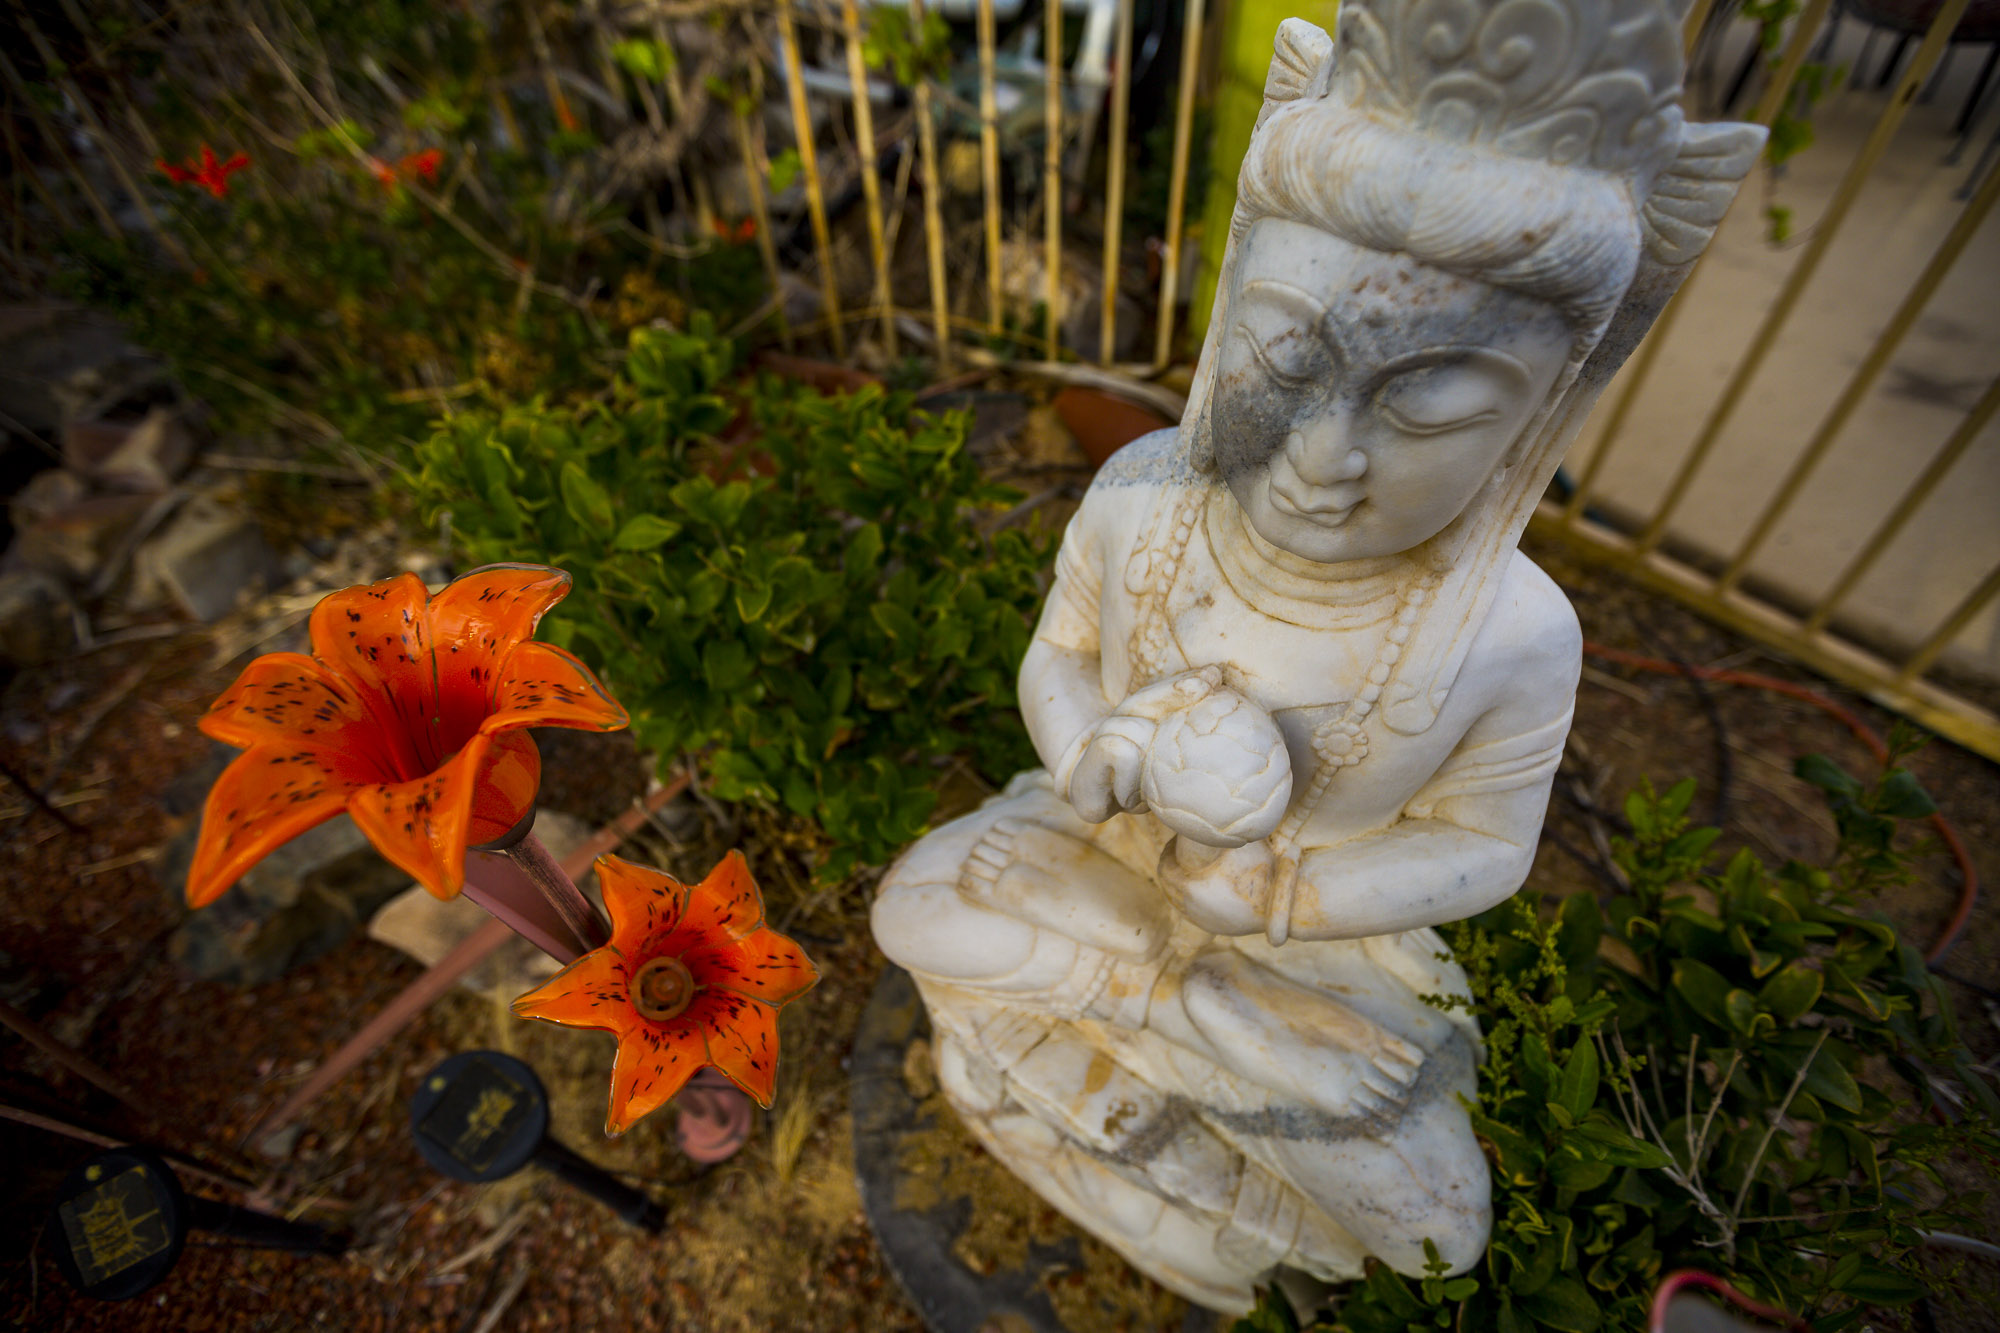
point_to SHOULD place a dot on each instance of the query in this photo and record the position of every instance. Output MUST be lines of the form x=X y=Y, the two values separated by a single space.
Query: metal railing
x=1729 y=590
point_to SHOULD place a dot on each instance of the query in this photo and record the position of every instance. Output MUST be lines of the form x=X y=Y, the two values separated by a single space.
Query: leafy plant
x=1729 y=1068
x=826 y=625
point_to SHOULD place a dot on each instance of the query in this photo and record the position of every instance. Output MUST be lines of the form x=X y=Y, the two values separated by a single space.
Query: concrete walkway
x=1938 y=373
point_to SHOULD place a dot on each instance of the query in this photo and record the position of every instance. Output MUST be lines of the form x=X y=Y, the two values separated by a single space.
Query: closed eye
x=1412 y=426
x=1299 y=374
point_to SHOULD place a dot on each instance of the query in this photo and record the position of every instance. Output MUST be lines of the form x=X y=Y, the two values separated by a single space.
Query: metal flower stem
x=522 y=886
x=577 y=911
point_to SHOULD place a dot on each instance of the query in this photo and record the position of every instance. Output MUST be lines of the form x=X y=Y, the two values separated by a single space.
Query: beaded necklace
x=1340 y=742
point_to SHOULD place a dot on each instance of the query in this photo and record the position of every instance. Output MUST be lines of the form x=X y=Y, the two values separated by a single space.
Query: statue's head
x=1433 y=230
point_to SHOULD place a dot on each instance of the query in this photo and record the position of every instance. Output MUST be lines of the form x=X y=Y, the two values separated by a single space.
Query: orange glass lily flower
x=410 y=714
x=692 y=977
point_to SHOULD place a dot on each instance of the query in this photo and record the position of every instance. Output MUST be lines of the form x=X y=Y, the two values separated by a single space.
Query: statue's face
x=1361 y=398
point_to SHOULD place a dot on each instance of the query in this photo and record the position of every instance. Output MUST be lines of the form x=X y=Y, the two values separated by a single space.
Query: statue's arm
x=1467 y=839
x=1094 y=757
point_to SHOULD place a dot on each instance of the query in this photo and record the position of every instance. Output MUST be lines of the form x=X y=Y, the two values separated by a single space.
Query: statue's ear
x=1689 y=198
x=1301 y=65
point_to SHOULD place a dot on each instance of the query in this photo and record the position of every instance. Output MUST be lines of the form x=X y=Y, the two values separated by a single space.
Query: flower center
x=662 y=989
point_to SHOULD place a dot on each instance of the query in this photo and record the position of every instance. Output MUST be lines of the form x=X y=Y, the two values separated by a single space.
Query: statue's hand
x=1105 y=779
x=1227 y=892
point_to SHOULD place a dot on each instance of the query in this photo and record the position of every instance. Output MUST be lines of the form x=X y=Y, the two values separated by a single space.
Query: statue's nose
x=1322 y=455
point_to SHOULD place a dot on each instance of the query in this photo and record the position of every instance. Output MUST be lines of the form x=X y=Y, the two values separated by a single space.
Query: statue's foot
x=1022 y=868
x=1300 y=1045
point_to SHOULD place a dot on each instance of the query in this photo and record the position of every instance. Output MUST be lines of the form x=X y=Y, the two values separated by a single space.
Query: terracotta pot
x=1103 y=423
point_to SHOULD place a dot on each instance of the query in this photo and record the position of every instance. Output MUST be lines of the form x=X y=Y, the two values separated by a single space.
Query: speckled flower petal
x=764 y=965
x=726 y=904
x=289 y=698
x=645 y=904
x=655 y=1061
x=476 y=621
x=505 y=792
x=590 y=993
x=423 y=825
x=378 y=637
x=543 y=686
x=742 y=1040
x=267 y=796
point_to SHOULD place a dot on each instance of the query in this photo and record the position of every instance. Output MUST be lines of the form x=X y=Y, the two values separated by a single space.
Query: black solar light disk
x=122 y=1219
x=481 y=1116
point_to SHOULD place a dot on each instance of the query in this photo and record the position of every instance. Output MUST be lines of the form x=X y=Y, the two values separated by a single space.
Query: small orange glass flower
x=692 y=977
x=410 y=715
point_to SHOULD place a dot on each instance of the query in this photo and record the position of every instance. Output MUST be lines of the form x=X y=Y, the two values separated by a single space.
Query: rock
x=143 y=456
x=304 y=899
x=78 y=540
x=37 y=620
x=428 y=928
x=204 y=559
x=46 y=493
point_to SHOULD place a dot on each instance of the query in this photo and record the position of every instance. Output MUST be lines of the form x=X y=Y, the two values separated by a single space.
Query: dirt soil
x=774 y=1239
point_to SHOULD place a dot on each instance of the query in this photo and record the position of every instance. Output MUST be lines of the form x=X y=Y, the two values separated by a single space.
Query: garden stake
x=442 y=975
x=482 y=1116
x=122 y=1219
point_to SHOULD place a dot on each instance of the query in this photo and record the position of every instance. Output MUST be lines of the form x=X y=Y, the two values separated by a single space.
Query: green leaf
x=1563 y=1304
x=1578 y=1091
x=1791 y=991
x=785 y=168
x=1703 y=988
x=1902 y=797
x=643 y=532
x=1830 y=777
x=643 y=59
x=1878 y=1284
x=586 y=501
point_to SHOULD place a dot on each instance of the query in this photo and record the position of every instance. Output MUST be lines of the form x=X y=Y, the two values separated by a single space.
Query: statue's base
x=976 y=1250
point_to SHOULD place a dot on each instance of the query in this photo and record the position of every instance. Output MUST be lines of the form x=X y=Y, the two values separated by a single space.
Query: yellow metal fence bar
x=1636 y=374
x=1170 y=262
x=1864 y=378
x=754 y=169
x=1824 y=231
x=1052 y=189
x=1961 y=616
x=933 y=217
x=871 y=182
x=802 y=134
x=1691 y=31
x=1961 y=440
x=989 y=164
x=1952 y=716
x=1114 y=202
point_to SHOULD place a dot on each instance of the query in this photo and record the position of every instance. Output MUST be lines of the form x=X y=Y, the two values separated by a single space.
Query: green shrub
x=1755 y=1078
x=825 y=634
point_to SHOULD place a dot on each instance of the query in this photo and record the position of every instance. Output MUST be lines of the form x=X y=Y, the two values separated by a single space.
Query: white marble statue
x=1299 y=696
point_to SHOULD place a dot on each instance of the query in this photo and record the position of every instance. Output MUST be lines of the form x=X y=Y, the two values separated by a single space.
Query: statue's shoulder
x=1130 y=486
x=1531 y=625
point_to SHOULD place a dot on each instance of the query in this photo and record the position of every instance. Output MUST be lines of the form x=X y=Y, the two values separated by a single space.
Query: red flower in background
x=410 y=715
x=210 y=174
x=692 y=977
x=423 y=164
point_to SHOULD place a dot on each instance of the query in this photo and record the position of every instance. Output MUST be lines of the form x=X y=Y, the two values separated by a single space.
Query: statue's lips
x=1329 y=508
